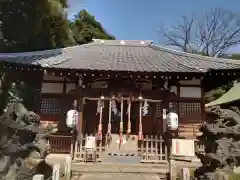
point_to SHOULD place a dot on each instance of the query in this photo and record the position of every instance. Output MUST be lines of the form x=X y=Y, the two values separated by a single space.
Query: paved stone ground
x=117 y=168
x=60 y=159
x=107 y=176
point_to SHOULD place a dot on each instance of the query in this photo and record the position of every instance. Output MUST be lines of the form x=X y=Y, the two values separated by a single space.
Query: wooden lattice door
x=158 y=119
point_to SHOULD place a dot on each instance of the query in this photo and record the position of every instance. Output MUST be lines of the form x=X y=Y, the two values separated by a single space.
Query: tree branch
x=212 y=33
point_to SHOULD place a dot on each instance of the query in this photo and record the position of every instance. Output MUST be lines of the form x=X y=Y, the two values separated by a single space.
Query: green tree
x=30 y=26
x=85 y=28
x=39 y=25
x=34 y=25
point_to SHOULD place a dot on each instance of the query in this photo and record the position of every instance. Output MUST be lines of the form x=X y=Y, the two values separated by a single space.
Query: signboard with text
x=90 y=142
x=183 y=147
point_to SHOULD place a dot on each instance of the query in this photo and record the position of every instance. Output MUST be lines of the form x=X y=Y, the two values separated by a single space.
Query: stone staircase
x=118 y=171
x=126 y=154
x=128 y=148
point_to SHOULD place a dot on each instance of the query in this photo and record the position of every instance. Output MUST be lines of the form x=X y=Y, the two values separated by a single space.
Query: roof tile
x=114 y=55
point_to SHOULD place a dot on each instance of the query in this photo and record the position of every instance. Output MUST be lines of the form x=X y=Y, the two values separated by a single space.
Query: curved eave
x=232 y=95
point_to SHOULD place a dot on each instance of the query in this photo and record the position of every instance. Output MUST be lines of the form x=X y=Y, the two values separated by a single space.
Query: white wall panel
x=190 y=92
x=52 y=88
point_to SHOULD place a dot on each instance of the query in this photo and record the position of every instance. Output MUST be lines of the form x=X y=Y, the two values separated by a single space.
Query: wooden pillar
x=154 y=116
x=62 y=127
x=203 y=118
x=38 y=97
x=178 y=96
x=164 y=119
x=109 y=117
x=80 y=127
x=140 y=132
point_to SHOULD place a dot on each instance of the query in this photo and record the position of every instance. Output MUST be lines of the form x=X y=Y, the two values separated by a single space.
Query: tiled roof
x=229 y=97
x=116 y=55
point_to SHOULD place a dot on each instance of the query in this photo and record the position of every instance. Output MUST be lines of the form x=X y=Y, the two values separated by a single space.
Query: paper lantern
x=72 y=117
x=172 y=121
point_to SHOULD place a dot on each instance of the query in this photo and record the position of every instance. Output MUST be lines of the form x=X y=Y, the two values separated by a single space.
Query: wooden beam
x=189 y=85
x=64 y=86
x=118 y=99
x=108 y=92
x=202 y=101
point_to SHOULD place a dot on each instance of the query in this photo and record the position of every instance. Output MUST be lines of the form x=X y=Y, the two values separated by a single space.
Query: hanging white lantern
x=72 y=117
x=172 y=121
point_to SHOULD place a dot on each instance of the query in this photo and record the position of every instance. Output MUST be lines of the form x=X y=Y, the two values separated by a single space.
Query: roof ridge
x=94 y=40
x=201 y=57
x=109 y=42
x=42 y=52
x=123 y=45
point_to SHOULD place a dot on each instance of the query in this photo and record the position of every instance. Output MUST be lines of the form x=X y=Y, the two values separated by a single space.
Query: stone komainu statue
x=23 y=146
x=221 y=139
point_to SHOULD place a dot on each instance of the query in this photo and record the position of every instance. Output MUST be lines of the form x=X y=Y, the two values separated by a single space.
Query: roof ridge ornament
x=122 y=42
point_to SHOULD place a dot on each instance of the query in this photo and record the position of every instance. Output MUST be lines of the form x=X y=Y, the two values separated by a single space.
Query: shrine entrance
x=151 y=121
x=116 y=118
x=121 y=115
x=124 y=123
x=119 y=123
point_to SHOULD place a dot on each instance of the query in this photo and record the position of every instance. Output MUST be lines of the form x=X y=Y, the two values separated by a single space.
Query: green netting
x=232 y=95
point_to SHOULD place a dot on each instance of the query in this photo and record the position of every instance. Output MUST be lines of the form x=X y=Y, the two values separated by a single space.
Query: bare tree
x=212 y=33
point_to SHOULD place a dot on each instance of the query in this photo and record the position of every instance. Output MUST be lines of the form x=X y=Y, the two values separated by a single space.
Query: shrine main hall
x=123 y=88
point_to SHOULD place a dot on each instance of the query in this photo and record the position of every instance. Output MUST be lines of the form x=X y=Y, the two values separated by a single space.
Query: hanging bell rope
x=129 y=117
x=100 y=121
x=121 y=126
x=121 y=120
x=140 y=133
x=110 y=116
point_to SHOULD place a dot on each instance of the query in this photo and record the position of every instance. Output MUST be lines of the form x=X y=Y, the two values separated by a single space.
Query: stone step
x=118 y=176
x=129 y=147
x=119 y=168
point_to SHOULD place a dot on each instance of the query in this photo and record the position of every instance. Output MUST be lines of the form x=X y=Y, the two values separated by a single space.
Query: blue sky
x=139 y=19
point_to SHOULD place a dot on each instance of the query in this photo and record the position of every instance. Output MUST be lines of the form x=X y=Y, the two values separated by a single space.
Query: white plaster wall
x=190 y=92
x=191 y=82
x=52 y=88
